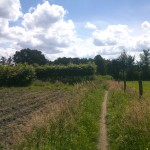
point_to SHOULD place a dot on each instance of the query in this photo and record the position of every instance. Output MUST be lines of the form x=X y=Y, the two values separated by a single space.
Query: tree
x=114 y=68
x=145 y=57
x=101 y=65
x=126 y=65
x=9 y=61
x=3 y=60
x=130 y=64
x=123 y=60
x=63 y=61
x=145 y=63
x=126 y=62
x=30 y=57
x=67 y=61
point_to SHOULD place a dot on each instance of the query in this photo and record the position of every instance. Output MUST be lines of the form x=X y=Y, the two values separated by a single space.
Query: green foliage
x=101 y=65
x=67 y=61
x=71 y=73
x=124 y=67
x=30 y=57
x=19 y=75
x=145 y=64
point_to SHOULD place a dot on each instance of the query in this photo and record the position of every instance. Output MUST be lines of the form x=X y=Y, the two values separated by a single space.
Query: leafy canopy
x=30 y=56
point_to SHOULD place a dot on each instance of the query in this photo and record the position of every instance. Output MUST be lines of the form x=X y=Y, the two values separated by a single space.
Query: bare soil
x=103 y=142
x=18 y=103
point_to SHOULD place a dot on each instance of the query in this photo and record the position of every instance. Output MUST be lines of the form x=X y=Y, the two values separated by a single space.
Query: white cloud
x=44 y=16
x=6 y=52
x=143 y=42
x=112 y=35
x=4 y=26
x=10 y=9
x=145 y=25
x=45 y=28
x=90 y=26
x=115 y=38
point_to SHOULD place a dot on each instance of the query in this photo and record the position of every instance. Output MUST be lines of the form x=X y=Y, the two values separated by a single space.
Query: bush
x=19 y=75
x=24 y=74
x=71 y=73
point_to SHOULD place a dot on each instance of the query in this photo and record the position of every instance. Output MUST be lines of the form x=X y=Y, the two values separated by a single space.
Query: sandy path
x=103 y=143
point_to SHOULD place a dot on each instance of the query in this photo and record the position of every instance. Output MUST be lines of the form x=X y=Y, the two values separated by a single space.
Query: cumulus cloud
x=115 y=38
x=145 y=25
x=44 y=15
x=10 y=9
x=112 y=35
x=4 y=26
x=90 y=26
x=143 y=42
x=45 y=28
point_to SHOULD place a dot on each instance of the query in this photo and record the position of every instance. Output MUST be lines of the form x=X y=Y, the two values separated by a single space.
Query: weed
x=77 y=126
x=128 y=120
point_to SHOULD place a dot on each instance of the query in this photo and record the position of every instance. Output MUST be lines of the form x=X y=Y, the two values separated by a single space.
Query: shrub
x=19 y=75
x=71 y=73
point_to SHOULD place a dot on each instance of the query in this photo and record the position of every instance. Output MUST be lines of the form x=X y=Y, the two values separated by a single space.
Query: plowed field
x=17 y=103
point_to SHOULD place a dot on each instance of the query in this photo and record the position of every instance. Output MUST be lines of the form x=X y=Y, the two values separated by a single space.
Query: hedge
x=24 y=74
x=59 y=72
x=19 y=75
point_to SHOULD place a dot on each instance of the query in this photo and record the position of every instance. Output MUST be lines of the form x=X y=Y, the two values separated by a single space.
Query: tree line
x=123 y=67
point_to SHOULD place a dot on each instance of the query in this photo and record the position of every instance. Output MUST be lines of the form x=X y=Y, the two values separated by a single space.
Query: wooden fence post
x=140 y=88
x=125 y=85
x=124 y=76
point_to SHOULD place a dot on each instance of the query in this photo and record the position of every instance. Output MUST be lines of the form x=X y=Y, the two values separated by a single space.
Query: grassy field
x=129 y=117
x=51 y=116
x=146 y=85
x=62 y=116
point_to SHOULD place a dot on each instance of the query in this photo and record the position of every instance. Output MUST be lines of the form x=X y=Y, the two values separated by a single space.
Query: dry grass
x=71 y=123
x=137 y=116
x=42 y=117
x=114 y=85
x=128 y=119
x=37 y=119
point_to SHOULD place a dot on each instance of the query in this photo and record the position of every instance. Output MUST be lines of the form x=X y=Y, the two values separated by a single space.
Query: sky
x=75 y=28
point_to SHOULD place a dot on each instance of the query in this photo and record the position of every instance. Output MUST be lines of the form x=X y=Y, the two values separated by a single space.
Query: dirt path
x=103 y=143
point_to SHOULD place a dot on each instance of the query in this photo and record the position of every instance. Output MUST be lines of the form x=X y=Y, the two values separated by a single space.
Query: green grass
x=77 y=127
x=146 y=85
x=37 y=84
x=128 y=119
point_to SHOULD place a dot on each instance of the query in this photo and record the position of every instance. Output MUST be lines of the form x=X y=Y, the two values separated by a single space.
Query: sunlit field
x=128 y=117
x=146 y=85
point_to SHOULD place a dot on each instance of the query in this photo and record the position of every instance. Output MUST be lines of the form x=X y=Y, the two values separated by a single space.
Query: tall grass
x=128 y=120
x=76 y=127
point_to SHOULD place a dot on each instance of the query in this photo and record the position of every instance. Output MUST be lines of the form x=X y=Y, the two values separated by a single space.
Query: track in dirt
x=16 y=104
x=103 y=143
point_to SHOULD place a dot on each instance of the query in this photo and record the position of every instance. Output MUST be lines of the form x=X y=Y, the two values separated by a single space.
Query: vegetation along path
x=103 y=143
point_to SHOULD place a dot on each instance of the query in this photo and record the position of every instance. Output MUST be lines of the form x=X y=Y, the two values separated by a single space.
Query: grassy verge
x=76 y=127
x=128 y=120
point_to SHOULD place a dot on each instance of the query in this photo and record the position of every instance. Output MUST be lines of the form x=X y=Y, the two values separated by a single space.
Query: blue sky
x=79 y=28
x=113 y=11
